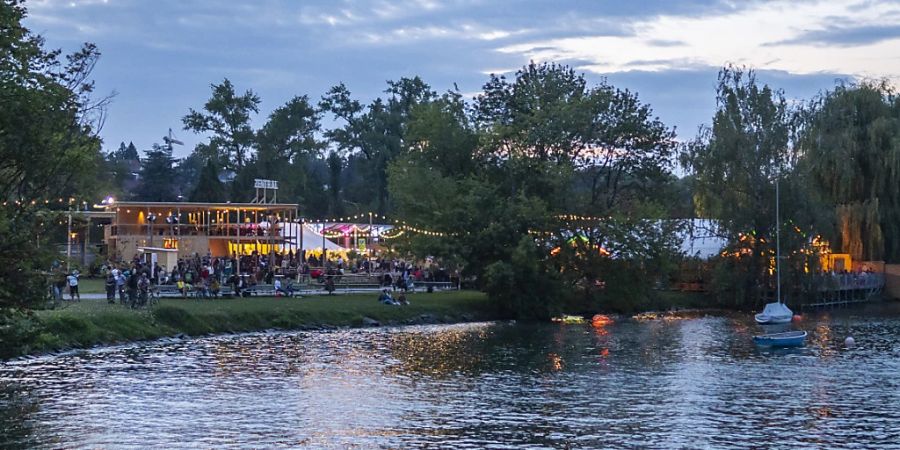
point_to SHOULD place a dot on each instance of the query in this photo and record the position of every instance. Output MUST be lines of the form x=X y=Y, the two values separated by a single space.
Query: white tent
x=311 y=240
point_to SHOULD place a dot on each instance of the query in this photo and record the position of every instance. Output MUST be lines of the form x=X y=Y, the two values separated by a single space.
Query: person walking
x=72 y=279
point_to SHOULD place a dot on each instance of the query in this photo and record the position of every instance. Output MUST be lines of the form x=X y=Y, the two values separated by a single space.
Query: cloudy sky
x=161 y=56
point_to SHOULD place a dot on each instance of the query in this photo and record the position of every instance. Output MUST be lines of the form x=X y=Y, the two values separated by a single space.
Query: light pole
x=302 y=252
x=151 y=218
x=69 y=242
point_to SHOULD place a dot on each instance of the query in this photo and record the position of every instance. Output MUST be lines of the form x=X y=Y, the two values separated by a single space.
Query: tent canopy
x=311 y=240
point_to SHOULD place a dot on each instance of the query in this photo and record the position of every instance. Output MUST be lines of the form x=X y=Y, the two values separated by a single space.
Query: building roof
x=251 y=206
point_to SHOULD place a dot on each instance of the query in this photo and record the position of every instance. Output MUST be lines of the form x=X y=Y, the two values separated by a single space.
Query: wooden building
x=220 y=229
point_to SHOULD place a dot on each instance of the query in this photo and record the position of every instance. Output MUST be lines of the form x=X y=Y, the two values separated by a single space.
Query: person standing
x=132 y=283
x=72 y=279
x=120 y=285
x=110 y=288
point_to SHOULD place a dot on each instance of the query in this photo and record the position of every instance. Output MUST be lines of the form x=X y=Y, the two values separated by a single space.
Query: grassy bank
x=94 y=322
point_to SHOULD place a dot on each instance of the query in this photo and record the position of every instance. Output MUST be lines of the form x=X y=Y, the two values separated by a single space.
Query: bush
x=18 y=331
x=523 y=287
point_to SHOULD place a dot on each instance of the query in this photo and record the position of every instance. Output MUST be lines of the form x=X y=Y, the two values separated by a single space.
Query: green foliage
x=524 y=286
x=376 y=131
x=335 y=164
x=157 y=176
x=90 y=323
x=16 y=328
x=48 y=147
x=226 y=115
x=536 y=148
x=851 y=148
x=209 y=188
x=735 y=165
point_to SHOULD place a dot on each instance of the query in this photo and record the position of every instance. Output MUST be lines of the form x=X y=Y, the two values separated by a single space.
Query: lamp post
x=302 y=252
x=69 y=242
x=323 y=244
x=151 y=218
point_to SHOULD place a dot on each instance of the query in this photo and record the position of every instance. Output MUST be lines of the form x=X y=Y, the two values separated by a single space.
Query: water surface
x=697 y=382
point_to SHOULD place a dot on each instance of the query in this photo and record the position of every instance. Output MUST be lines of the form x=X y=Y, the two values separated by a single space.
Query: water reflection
x=693 y=381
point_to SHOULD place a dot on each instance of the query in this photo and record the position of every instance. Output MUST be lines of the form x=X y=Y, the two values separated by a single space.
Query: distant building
x=220 y=229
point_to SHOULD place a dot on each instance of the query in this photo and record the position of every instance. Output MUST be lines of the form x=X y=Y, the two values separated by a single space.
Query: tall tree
x=157 y=173
x=290 y=132
x=851 y=146
x=499 y=182
x=48 y=148
x=209 y=188
x=735 y=165
x=377 y=130
x=226 y=115
x=335 y=165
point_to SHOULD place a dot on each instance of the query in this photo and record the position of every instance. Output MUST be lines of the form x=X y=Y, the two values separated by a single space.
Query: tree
x=334 y=184
x=735 y=165
x=208 y=189
x=536 y=150
x=290 y=132
x=157 y=174
x=48 y=149
x=851 y=148
x=377 y=130
x=227 y=117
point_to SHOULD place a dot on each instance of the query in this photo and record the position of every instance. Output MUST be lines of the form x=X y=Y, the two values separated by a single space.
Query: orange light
x=601 y=320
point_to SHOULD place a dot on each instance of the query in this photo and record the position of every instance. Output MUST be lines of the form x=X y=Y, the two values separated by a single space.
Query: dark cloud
x=851 y=36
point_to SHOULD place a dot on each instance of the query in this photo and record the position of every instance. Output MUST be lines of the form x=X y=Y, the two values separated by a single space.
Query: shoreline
x=94 y=323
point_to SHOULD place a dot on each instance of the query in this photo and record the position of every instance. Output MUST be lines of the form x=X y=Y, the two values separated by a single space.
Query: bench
x=168 y=291
x=260 y=290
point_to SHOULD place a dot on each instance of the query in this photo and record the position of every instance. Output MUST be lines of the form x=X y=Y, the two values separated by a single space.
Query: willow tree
x=851 y=147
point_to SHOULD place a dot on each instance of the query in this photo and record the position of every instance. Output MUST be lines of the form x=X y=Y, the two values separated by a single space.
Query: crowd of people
x=135 y=282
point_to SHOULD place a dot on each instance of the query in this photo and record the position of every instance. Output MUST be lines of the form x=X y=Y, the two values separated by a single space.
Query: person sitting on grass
x=402 y=299
x=386 y=298
x=279 y=291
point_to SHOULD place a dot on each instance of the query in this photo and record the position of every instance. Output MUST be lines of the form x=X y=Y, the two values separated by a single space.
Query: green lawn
x=90 y=286
x=93 y=322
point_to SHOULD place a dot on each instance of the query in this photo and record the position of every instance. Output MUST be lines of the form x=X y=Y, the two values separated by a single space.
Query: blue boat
x=786 y=339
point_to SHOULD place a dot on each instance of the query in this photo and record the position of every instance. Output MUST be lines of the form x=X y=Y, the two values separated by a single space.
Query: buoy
x=797 y=318
x=849 y=342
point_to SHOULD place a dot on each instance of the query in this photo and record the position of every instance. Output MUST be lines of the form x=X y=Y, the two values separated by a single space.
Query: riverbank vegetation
x=547 y=191
x=94 y=322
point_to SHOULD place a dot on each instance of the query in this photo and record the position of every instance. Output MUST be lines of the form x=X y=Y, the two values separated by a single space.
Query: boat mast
x=777 y=244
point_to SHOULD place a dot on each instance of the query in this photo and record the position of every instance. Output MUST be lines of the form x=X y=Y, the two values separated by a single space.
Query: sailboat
x=777 y=312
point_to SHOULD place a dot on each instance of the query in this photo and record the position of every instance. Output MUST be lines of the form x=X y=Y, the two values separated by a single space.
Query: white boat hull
x=765 y=319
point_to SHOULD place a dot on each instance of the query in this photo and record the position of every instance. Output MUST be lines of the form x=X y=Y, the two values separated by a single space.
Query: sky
x=160 y=57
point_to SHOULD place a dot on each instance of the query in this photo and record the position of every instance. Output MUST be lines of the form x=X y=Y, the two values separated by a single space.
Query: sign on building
x=265 y=184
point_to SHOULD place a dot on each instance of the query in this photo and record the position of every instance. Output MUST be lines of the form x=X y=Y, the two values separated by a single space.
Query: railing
x=166 y=230
x=850 y=281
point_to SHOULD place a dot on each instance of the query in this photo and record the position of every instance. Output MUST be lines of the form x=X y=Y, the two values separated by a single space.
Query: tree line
x=553 y=193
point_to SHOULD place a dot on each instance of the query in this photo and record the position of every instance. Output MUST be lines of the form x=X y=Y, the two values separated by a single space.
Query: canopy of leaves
x=226 y=115
x=851 y=147
x=48 y=147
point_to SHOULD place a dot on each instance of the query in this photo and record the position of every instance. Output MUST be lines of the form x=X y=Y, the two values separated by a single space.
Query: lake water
x=695 y=382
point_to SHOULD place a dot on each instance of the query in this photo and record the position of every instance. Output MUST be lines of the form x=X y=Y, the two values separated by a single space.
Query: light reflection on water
x=692 y=383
